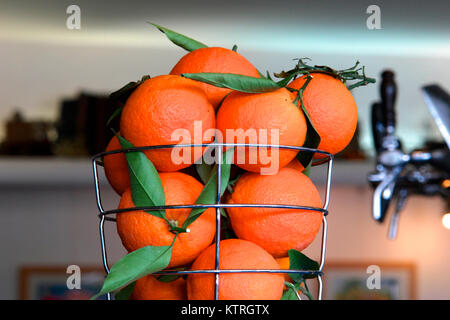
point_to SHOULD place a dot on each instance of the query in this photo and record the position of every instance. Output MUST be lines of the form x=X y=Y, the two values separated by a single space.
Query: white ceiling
x=419 y=29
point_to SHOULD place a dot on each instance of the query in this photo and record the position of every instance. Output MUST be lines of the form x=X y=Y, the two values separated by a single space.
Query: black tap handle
x=388 y=94
x=378 y=125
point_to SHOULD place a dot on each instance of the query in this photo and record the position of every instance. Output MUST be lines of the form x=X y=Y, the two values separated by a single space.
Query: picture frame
x=50 y=283
x=348 y=281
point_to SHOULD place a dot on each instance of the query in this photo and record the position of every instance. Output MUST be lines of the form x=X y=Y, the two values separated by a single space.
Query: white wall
x=35 y=76
x=59 y=225
x=48 y=226
x=422 y=240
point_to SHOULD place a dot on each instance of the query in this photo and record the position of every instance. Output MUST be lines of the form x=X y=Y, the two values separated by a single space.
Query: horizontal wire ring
x=328 y=155
x=181 y=272
x=217 y=205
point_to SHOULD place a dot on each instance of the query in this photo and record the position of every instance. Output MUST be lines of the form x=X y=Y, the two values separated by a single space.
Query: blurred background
x=54 y=90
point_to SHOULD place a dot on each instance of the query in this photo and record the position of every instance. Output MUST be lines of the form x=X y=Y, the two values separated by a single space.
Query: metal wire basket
x=104 y=214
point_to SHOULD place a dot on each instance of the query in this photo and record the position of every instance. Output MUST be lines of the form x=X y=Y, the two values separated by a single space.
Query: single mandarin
x=138 y=229
x=332 y=110
x=263 y=118
x=167 y=110
x=217 y=60
x=276 y=230
x=236 y=254
x=116 y=167
x=150 y=288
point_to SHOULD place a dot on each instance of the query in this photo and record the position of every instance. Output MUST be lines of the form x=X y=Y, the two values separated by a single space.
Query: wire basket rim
x=215 y=206
x=328 y=159
x=213 y=271
x=328 y=156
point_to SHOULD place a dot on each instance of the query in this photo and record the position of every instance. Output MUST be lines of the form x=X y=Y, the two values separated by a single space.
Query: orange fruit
x=332 y=110
x=295 y=164
x=215 y=59
x=236 y=254
x=276 y=230
x=116 y=167
x=264 y=118
x=138 y=228
x=159 y=107
x=150 y=288
x=284 y=265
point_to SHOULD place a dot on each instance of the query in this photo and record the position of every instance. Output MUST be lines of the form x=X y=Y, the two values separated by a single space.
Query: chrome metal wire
x=103 y=214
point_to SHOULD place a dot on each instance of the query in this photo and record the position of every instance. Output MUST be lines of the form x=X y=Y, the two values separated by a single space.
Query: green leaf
x=115 y=114
x=312 y=141
x=361 y=83
x=208 y=194
x=124 y=93
x=223 y=213
x=204 y=171
x=136 y=265
x=284 y=82
x=229 y=234
x=236 y=82
x=260 y=74
x=235 y=47
x=168 y=277
x=349 y=74
x=299 y=261
x=180 y=40
x=307 y=170
x=305 y=291
x=125 y=293
x=226 y=229
x=221 y=101
x=146 y=186
x=290 y=293
x=233 y=182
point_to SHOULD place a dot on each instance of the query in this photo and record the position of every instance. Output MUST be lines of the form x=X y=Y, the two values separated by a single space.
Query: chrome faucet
x=398 y=174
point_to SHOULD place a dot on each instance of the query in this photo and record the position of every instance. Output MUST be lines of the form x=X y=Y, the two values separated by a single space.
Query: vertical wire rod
x=103 y=249
x=97 y=186
x=329 y=172
x=101 y=226
x=219 y=187
x=102 y=244
x=102 y=218
x=319 y=280
x=323 y=249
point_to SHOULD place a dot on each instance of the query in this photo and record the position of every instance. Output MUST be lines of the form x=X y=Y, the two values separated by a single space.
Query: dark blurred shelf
x=55 y=171
x=45 y=171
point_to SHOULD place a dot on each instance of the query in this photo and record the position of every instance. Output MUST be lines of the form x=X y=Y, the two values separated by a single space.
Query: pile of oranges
x=261 y=237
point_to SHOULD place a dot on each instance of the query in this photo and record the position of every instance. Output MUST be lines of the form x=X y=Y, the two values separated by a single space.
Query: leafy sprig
x=344 y=75
x=299 y=261
x=124 y=93
x=179 y=39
